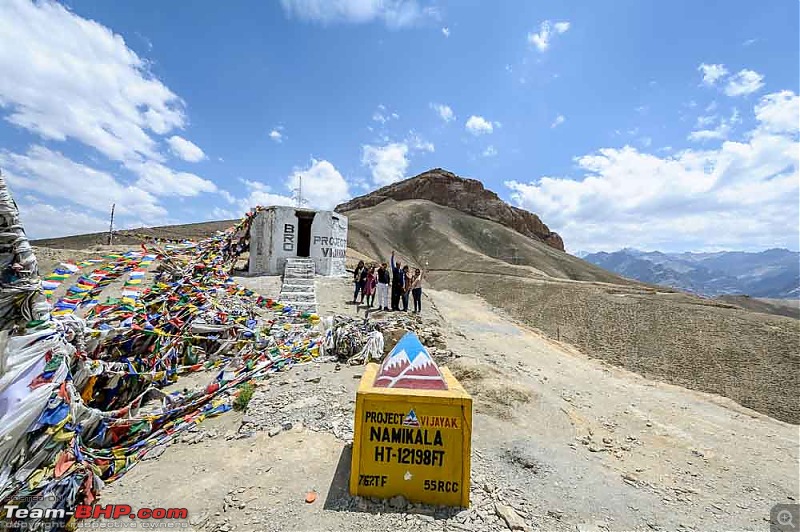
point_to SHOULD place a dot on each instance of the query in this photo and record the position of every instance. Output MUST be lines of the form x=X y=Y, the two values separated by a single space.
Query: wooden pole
x=111 y=225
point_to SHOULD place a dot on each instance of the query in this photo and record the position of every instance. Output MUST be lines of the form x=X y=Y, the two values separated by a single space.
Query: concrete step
x=305 y=308
x=297 y=287
x=295 y=274
x=298 y=303
x=308 y=282
x=297 y=296
x=299 y=271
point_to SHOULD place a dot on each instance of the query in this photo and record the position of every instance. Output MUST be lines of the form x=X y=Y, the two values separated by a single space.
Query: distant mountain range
x=774 y=273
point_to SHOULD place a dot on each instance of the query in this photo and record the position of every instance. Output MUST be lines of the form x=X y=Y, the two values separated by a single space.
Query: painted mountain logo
x=409 y=365
x=411 y=419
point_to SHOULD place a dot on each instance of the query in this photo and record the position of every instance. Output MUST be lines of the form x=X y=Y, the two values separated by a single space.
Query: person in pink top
x=370 y=284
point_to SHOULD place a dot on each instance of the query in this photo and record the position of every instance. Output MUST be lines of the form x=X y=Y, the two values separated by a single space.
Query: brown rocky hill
x=466 y=195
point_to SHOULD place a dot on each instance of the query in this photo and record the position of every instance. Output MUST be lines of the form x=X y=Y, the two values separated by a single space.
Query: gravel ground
x=560 y=442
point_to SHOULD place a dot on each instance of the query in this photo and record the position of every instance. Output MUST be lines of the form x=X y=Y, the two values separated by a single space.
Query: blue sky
x=657 y=125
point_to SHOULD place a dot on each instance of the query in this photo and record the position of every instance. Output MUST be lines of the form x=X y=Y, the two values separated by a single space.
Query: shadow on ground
x=340 y=500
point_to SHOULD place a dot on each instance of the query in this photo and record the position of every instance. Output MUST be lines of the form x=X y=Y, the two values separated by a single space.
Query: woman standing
x=416 y=290
x=357 y=280
x=369 y=285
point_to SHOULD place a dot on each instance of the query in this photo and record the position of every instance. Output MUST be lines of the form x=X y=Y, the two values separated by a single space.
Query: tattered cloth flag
x=409 y=365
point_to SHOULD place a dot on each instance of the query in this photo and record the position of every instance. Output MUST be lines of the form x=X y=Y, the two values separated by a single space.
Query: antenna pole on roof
x=298 y=192
x=111 y=225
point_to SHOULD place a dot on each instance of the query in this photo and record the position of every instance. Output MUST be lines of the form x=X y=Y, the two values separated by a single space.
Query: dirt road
x=569 y=442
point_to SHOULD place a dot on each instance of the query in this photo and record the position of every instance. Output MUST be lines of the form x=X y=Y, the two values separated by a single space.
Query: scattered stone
x=200 y=520
x=630 y=477
x=397 y=502
x=286 y=425
x=511 y=517
x=314 y=380
x=523 y=455
x=155 y=452
x=274 y=431
x=311 y=496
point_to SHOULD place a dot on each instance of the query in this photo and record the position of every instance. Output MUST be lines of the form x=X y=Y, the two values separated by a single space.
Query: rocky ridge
x=467 y=195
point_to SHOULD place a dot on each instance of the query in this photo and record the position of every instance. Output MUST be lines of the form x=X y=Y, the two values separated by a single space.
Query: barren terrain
x=568 y=441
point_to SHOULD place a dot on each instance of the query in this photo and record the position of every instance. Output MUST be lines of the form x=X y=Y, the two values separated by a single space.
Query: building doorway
x=304 y=221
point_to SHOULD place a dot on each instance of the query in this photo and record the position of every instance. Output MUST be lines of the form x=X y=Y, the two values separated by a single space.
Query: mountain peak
x=464 y=194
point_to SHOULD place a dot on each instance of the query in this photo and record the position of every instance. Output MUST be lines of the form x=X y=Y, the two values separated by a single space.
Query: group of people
x=373 y=279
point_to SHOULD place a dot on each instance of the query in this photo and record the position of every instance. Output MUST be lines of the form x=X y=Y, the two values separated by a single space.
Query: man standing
x=383 y=287
x=398 y=283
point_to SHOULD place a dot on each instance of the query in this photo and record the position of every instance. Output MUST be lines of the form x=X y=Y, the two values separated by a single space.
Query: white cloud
x=393 y=13
x=490 y=151
x=74 y=78
x=547 y=29
x=51 y=174
x=323 y=188
x=743 y=83
x=323 y=185
x=742 y=195
x=703 y=121
x=388 y=163
x=712 y=73
x=38 y=219
x=720 y=132
x=218 y=213
x=382 y=115
x=558 y=121
x=230 y=198
x=185 y=149
x=444 y=111
x=416 y=142
x=477 y=125
x=446 y=31
x=778 y=112
x=276 y=134
x=164 y=181
x=749 y=42
x=259 y=193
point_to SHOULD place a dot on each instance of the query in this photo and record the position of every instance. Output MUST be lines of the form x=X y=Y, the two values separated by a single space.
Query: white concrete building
x=280 y=233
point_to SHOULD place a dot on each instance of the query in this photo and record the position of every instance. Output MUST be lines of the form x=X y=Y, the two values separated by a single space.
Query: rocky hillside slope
x=466 y=195
x=443 y=239
x=679 y=338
